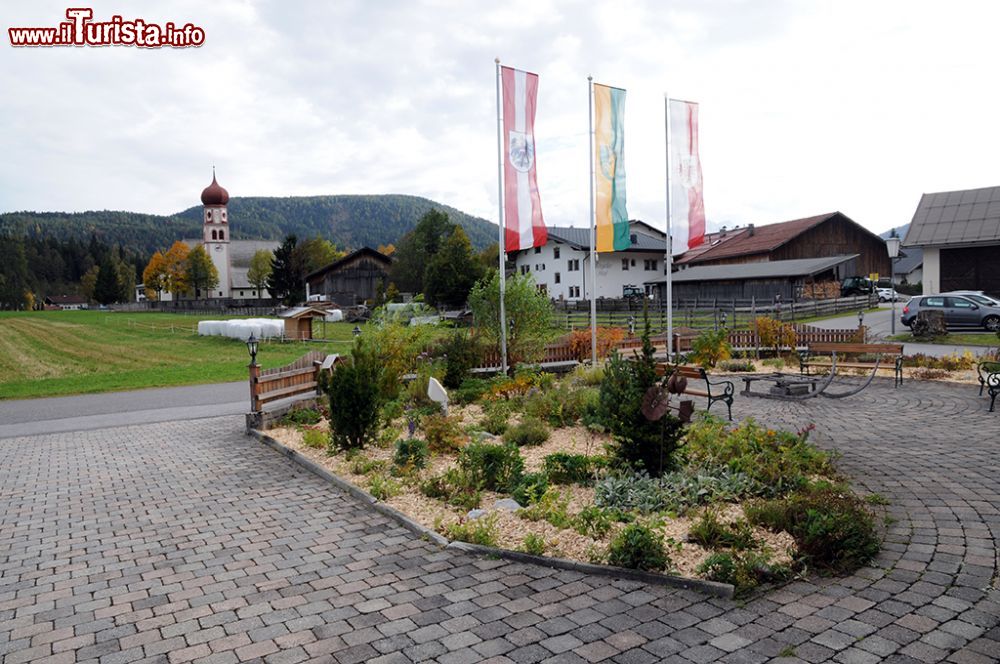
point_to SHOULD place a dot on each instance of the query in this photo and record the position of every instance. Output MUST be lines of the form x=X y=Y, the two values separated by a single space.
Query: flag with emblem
x=523 y=224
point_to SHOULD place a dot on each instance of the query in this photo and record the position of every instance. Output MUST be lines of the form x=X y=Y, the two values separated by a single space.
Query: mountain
x=349 y=221
x=900 y=231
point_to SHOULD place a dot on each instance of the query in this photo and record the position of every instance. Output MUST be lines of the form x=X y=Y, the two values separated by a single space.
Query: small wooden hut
x=298 y=321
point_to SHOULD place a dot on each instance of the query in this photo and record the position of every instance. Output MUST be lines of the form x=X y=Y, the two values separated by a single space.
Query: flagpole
x=593 y=227
x=502 y=245
x=670 y=249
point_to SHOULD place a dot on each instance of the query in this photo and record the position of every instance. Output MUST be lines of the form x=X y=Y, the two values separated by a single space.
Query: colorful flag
x=609 y=167
x=687 y=206
x=522 y=206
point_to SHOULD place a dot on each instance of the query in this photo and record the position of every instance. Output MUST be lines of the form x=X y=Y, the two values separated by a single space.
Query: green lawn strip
x=967 y=339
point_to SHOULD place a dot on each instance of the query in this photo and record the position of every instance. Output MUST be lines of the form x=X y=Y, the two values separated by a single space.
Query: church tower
x=215 y=234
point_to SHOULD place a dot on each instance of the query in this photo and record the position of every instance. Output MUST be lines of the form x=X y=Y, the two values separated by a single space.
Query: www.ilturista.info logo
x=80 y=30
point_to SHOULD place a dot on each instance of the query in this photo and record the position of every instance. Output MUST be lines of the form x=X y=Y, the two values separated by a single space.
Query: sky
x=806 y=106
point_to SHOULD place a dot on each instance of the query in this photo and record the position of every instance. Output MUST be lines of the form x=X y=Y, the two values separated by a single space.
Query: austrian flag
x=523 y=224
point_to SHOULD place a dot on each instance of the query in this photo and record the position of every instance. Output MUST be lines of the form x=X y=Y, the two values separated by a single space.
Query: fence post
x=254 y=387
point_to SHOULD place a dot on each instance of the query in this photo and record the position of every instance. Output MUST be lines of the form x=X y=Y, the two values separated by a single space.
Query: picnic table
x=786 y=386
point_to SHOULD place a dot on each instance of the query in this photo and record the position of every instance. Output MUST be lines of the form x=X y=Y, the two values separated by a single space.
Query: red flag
x=524 y=227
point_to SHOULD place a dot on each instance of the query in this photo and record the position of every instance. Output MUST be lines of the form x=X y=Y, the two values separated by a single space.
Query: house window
x=574 y=291
x=649 y=265
x=625 y=265
x=208 y=215
x=241 y=293
x=633 y=238
x=539 y=267
x=573 y=265
x=223 y=216
x=538 y=250
x=557 y=278
x=215 y=236
x=525 y=269
x=222 y=235
x=555 y=252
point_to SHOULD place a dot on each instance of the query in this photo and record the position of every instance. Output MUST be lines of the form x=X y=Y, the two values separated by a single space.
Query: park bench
x=989 y=377
x=724 y=389
x=818 y=355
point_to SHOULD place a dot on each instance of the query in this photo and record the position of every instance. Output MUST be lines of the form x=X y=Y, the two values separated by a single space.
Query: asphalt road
x=29 y=417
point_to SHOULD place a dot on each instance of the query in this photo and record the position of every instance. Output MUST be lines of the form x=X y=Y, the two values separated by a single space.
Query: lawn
x=52 y=353
x=954 y=339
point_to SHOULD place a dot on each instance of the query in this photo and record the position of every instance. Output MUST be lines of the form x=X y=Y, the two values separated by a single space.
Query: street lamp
x=892 y=245
x=254 y=373
x=356 y=331
x=252 y=344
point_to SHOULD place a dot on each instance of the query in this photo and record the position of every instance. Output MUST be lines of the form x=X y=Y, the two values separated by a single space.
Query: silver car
x=958 y=310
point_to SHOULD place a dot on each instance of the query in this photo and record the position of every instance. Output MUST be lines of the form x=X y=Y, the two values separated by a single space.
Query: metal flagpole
x=670 y=248
x=593 y=227
x=502 y=246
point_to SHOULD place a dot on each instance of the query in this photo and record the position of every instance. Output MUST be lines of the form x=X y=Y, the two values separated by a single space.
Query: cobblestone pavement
x=186 y=541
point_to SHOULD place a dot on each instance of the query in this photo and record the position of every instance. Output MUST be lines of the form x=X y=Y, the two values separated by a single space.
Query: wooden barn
x=353 y=279
x=823 y=236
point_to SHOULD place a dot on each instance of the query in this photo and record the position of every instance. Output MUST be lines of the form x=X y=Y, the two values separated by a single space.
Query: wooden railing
x=295 y=379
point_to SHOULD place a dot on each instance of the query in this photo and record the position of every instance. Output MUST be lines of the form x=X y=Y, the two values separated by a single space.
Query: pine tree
x=417 y=248
x=452 y=272
x=287 y=280
x=106 y=288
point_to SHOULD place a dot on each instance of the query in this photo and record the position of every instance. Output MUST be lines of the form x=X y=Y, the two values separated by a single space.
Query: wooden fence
x=299 y=377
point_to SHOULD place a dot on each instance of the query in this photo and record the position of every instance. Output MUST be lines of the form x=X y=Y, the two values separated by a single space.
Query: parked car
x=856 y=286
x=958 y=310
x=888 y=295
x=977 y=296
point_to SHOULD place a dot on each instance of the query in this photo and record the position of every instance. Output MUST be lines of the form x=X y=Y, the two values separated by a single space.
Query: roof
x=711 y=241
x=66 y=299
x=799 y=267
x=580 y=239
x=303 y=312
x=363 y=251
x=241 y=251
x=913 y=259
x=762 y=239
x=970 y=216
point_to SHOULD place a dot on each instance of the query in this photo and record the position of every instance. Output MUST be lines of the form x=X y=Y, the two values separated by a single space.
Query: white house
x=561 y=268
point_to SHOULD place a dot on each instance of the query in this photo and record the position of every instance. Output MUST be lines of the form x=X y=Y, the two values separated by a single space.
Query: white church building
x=562 y=267
x=230 y=257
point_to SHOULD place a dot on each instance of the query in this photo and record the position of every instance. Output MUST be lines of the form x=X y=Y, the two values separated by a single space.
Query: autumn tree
x=176 y=268
x=387 y=249
x=88 y=282
x=260 y=270
x=201 y=273
x=155 y=277
x=315 y=253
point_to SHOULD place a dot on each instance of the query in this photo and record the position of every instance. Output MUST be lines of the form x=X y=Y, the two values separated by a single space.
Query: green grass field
x=955 y=339
x=51 y=353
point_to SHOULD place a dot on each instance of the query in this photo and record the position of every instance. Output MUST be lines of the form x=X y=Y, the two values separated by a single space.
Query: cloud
x=806 y=107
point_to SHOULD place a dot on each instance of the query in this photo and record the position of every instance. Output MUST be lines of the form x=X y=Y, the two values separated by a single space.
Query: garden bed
x=731 y=505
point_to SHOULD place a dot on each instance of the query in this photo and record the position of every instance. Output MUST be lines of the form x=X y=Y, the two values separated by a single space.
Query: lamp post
x=892 y=245
x=861 y=324
x=356 y=331
x=252 y=345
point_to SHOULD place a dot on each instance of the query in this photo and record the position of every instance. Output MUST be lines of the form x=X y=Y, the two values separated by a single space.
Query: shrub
x=497 y=415
x=454 y=488
x=737 y=365
x=443 y=433
x=775 y=334
x=361 y=465
x=563 y=405
x=832 y=527
x=592 y=521
x=301 y=416
x=355 y=401
x=531 y=487
x=778 y=460
x=675 y=492
x=588 y=376
x=315 y=439
x=552 y=507
x=396 y=349
x=533 y=544
x=952 y=362
x=608 y=339
x=531 y=431
x=638 y=546
x=411 y=452
x=491 y=467
x=470 y=391
x=711 y=347
x=383 y=487
x=462 y=353
x=926 y=373
x=529 y=315
x=714 y=534
x=474 y=531
x=565 y=468
x=743 y=569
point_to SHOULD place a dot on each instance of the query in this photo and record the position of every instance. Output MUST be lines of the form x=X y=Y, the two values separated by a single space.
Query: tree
x=155 y=277
x=316 y=252
x=201 y=273
x=14 y=268
x=386 y=249
x=125 y=275
x=88 y=282
x=529 y=315
x=106 y=288
x=176 y=266
x=260 y=270
x=452 y=272
x=416 y=248
x=489 y=258
x=287 y=281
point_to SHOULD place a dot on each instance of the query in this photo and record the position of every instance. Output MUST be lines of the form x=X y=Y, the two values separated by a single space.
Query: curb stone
x=723 y=590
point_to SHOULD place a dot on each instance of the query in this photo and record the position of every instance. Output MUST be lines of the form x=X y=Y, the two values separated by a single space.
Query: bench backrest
x=896 y=349
x=662 y=369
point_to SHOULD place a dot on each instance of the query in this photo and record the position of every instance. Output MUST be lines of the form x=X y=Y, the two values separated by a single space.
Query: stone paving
x=187 y=541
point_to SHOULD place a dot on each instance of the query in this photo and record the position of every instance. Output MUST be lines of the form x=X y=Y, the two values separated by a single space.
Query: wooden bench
x=694 y=373
x=989 y=377
x=816 y=355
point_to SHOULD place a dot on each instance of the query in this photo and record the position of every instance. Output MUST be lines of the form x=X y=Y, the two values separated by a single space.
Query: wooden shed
x=354 y=279
x=298 y=321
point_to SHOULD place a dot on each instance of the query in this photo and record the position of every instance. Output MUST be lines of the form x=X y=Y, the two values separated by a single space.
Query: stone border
x=713 y=588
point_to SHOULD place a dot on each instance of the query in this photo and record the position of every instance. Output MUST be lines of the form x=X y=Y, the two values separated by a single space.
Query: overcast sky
x=806 y=107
